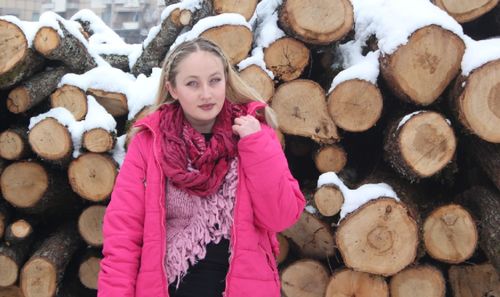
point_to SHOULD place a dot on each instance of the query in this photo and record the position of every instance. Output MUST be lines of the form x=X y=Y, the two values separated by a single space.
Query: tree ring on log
x=304 y=278
x=50 y=139
x=234 y=40
x=72 y=98
x=88 y=272
x=286 y=58
x=11 y=145
x=24 y=179
x=47 y=40
x=8 y=271
x=42 y=280
x=350 y=283
x=90 y=225
x=13 y=46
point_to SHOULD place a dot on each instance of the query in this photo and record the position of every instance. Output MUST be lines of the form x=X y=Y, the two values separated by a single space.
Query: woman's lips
x=207 y=106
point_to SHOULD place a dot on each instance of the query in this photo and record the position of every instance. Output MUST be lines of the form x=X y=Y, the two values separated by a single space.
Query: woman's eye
x=191 y=84
x=216 y=80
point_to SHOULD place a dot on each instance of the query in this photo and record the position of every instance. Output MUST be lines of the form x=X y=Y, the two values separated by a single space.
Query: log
x=466 y=11
x=51 y=141
x=115 y=103
x=487 y=156
x=421 y=280
x=92 y=176
x=355 y=105
x=245 y=8
x=380 y=237
x=317 y=22
x=4 y=213
x=419 y=71
x=12 y=259
x=258 y=79
x=328 y=200
x=234 y=40
x=67 y=49
x=484 y=204
x=350 y=283
x=18 y=232
x=18 y=61
x=14 y=143
x=284 y=248
x=34 y=90
x=43 y=272
x=90 y=225
x=450 y=234
x=313 y=237
x=475 y=101
x=72 y=98
x=286 y=58
x=474 y=280
x=419 y=145
x=12 y=291
x=117 y=61
x=34 y=188
x=98 y=140
x=89 y=269
x=330 y=158
x=301 y=107
x=304 y=278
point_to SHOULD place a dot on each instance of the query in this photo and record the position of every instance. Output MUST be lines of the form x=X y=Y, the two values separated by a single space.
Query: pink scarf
x=187 y=160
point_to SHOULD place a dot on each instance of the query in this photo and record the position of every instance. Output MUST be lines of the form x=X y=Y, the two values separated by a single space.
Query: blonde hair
x=237 y=90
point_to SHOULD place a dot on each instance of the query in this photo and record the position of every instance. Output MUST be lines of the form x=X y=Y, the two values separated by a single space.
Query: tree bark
x=487 y=155
x=419 y=145
x=450 y=234
x=34 y=90
x=304 y=278
x=67 y=49
x=419 y=73
x=355 y=105
x=51 y=141
x=90 y=225
x=301 y=108
x=92 y=176
x=475 y=280
x=475 y=101
x=286 y=58
x=14 y=143
x=72 y=98
x=12 y=259
x=466 y=11
x=317 y=22
x=380 y=237
x=418 y=281
x=4 y=213
x=485 y=204
x=17 y=61
x=43 y=272
x=350 y=283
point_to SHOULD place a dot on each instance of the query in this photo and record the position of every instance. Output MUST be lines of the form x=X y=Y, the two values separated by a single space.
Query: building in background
x=131 y=19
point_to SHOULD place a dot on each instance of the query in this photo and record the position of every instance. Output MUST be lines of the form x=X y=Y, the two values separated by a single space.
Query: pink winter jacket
x=268 y=200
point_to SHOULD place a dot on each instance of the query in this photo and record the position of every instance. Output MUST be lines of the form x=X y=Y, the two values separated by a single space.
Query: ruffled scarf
x=192 y=164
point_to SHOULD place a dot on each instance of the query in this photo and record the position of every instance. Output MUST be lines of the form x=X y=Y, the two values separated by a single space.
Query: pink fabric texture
x=193 y=222
x=268 y=200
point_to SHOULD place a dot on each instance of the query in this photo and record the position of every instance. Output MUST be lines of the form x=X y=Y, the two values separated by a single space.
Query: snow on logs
x=466 y=11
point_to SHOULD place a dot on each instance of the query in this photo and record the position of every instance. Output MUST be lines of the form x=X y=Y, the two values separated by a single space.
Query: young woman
x=203 y=189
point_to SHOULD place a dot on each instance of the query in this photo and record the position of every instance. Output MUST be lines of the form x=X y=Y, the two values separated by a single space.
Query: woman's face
x=200 y=88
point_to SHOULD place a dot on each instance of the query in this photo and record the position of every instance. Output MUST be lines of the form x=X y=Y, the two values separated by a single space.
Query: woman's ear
x=171 y=90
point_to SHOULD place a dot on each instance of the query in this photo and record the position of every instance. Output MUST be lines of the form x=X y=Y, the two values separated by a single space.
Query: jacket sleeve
x=276 y=196
x=123 y=227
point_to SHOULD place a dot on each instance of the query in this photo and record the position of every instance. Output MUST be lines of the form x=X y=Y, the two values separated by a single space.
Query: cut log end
x=90 y=225
x=466 y=11
x=21 y=229
x=284 y=248
x=11 y=291
x=355 y=105
x=418 y=72
x=47 y=40
x=286 y=58
x=328 y=200
x=98 y=140
x=479 y=103
x=234 y=40
x=24 y=183
x=304 y=278
x=380 y=237
x=258 y=79
x=317 y=22
x=450 y=234
x=245 y=8
x=38 y=278
x=349 y=283
x=12 y=145
x=8 y=271
x=13 y=45
x=89 y=271
x=72 y=98
x=92 y=176
x=330 y=158
x=51 y=140
x=474 y=280
x=18 y=100
x=114 y=103
x=418 y=281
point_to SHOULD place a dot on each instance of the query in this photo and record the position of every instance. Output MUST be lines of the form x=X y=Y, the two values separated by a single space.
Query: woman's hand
x=246 y=125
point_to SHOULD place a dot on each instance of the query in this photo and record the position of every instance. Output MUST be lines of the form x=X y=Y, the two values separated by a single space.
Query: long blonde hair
x=237 y=90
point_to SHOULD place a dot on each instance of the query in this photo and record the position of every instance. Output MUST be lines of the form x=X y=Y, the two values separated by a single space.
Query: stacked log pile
x=393 y=132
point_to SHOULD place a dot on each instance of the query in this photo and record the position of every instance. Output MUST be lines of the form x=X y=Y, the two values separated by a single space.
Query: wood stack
x=424 y=131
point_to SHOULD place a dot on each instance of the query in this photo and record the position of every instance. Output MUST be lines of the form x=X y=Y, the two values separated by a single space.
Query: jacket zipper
x=162 y=207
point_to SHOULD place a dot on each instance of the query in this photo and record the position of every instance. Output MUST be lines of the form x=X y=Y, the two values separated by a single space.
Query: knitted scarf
x=187 y=159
